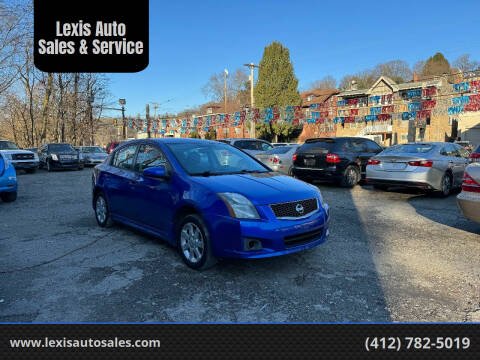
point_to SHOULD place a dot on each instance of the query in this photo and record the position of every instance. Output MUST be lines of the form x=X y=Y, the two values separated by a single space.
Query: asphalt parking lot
x=392 y=256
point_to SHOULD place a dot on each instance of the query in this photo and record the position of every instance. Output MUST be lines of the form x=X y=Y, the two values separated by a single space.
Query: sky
x=191 y=40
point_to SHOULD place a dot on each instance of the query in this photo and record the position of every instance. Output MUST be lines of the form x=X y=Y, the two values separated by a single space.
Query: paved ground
x=392 y=256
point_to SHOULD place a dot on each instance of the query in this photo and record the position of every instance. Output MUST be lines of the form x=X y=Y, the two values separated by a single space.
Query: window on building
x=310 y=98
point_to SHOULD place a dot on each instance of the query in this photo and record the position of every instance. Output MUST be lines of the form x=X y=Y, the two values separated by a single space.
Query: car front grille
x=22 y=156
x=303 y=238
x=294 y=209
x=67 y=157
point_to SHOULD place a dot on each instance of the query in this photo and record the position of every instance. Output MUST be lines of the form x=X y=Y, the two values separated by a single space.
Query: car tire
x=9 y=196
x=350 y=177
x=446 y=185
x=102 y=210
x=193 y=243
x=30 y=171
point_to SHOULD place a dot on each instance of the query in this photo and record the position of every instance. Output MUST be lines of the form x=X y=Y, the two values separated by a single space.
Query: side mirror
x=156 y=172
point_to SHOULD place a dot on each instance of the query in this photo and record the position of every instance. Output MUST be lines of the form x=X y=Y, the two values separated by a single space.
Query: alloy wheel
x=351 y=176
x=192 y=242
x=101 y=209
x=447 y=184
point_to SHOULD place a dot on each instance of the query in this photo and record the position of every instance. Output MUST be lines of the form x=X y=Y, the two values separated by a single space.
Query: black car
x=339 y=159
x=59 y=156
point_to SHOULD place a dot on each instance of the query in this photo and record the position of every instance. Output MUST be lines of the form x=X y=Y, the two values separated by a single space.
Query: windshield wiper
x=205 y=174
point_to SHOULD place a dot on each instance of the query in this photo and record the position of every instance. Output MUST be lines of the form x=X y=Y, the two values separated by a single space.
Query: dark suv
x=59 y=156
x=340 y=159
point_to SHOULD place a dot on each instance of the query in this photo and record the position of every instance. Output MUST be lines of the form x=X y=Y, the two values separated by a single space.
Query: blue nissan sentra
x=209 y=199
x=8 y=180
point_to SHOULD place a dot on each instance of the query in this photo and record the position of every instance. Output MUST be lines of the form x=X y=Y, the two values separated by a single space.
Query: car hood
x=97 y=155
x=18 y=151
x=260 y=188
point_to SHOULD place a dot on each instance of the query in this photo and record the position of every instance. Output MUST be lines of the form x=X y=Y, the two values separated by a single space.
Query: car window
x=461 y=151
x=449 y=150
x=280 y=150
x=409 y=149
x=123 y=158
x=354 y=146
x=373 y=147
x=265 y=146
x=149 y=156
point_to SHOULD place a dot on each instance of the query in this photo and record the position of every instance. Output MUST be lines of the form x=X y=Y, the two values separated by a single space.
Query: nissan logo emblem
x=299 y=208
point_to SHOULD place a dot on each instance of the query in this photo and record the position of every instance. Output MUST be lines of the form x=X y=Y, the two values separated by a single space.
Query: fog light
x=250 y=244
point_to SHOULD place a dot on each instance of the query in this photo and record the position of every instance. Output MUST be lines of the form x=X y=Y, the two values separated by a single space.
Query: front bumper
x=469 y=203
x=422 y=177
x=93 y=161
x=277 y=237
x=8 y=186
x=25 y=164
x=65 y=164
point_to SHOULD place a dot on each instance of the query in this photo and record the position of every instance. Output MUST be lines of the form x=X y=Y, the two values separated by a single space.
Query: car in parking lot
x=279 y=158
x=8 y=180
x=184 y=191
x=469 y=199
x=336 y=159
x=436 y=166
x=284 y=144
x=20 y=159
x=475 y=155
x=251 y=146
x=92 y=155
x=55 y=156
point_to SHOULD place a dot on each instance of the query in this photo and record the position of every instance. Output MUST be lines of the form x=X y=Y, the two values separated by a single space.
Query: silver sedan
x=427 y=165
x=279 y=158
x=469 y=198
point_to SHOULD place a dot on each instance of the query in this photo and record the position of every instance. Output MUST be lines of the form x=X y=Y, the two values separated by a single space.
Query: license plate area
x=309 y=162
x=394 y=166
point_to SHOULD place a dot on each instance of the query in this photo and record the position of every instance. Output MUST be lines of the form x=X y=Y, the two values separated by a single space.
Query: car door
x=357 y=150
x=450 y=153
x=462 y=157
x=119 y=182
x=154 y=197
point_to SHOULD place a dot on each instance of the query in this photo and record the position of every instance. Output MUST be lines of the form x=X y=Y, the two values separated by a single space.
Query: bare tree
x=327 y=82
x=463 y=63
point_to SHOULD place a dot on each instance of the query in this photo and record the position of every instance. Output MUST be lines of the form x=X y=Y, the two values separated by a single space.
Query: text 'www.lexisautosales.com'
x=84 y=343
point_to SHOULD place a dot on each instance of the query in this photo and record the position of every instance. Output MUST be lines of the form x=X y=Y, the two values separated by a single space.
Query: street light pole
x=124 y=123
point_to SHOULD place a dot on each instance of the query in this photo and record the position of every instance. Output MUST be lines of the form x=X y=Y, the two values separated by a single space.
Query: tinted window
x=409 y=149
x=449 y=150
x=8 y=145
x=253 y=145
x=123 y=158
x=60 y=148
x=215 y=159
x=463 y=152
x=320 y=146
x=477 y=150
x=147 y=157
x=373 y=147
x=280 y=150
x=355 y=146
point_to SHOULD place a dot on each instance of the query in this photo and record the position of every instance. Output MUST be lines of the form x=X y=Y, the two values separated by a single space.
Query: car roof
x=235 y=139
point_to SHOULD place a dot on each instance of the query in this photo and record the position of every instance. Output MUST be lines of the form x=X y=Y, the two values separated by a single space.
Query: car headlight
x=239 y=206
x=54 y=157
x=35 y=157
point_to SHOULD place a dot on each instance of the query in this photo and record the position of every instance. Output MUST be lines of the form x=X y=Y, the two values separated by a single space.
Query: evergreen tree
x=277 y=83
x=436 y=65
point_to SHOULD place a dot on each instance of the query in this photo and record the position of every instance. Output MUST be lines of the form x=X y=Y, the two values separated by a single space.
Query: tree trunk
x=45 y=106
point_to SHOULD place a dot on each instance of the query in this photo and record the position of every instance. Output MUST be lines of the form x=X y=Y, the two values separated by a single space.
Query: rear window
x=321 y=146
x=279 y=150
x=477 y=150
x=409 y=149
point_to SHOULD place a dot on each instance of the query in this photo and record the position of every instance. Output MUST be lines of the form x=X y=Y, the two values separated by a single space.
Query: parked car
x=92 y=155
x=279 y=158
x=34 y=150
x=433 y=166
x=337 y=159
x=475 y=155
x=112 y=145
x=251 y=146
x=182 y=191
x=20 y=159
x=469 y=199
x=59 y=156
x=284 y=144
x=8 y=180
x=467 y=145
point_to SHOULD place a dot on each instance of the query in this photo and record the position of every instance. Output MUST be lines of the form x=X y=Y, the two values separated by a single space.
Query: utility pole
x=225 y=95
x=147 y=116
x=252 y=100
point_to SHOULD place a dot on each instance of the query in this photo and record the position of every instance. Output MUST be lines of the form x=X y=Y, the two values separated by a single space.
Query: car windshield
x=8 y=145
x=477 y=150
x=279 y=150
x=409 y=149
x=319 y=145
x=60 y=147
x=205 y=159
x=92 y=149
